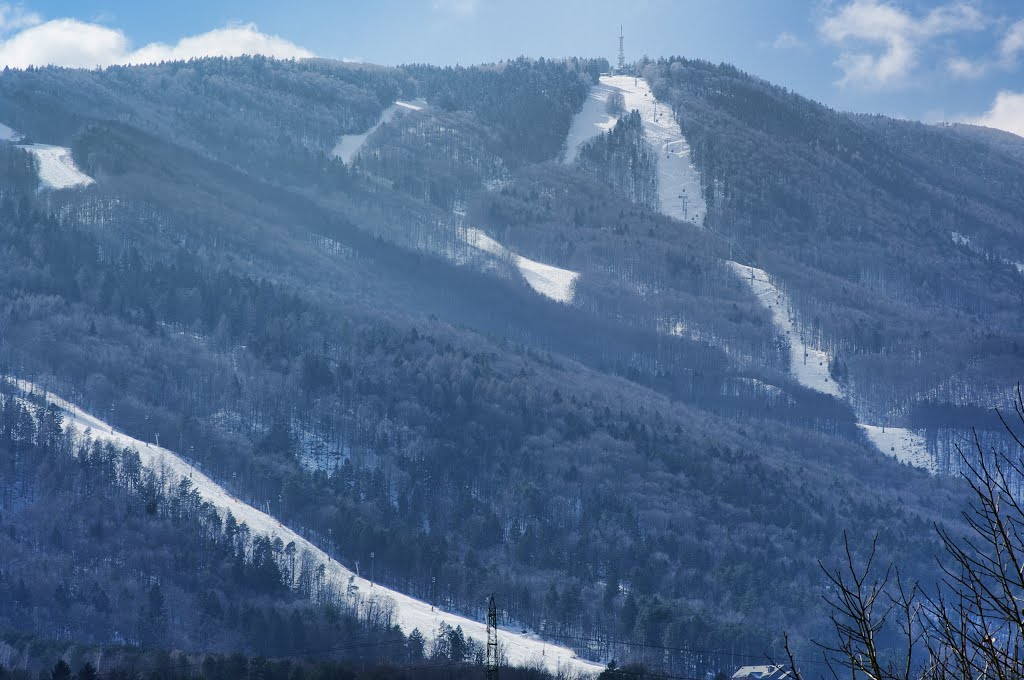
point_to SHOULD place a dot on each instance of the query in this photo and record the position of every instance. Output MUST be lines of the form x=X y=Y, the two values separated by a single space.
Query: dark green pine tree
x=61 y=671
x=152 y=618
x=87 y=672
x=415 y=645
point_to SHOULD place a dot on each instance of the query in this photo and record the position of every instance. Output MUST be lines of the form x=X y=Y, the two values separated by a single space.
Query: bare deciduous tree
x=970 y=625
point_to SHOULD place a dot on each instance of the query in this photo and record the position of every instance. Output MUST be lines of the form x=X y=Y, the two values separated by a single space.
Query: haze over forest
x=634 y=366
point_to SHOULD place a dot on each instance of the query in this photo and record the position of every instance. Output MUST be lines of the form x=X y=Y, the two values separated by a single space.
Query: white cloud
x=1007 y=113
x=1012 y=44
x=69 y=42
x=64 y=42
x=882 y=42
x=787 y=41
x=230 y=41
x=966 y=69
x=15 y=18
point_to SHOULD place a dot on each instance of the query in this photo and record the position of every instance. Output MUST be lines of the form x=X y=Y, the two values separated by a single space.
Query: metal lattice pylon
x=492 y=640
x=622 y=53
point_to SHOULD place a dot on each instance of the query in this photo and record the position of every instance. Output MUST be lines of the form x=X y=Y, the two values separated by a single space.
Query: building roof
x=766 y=672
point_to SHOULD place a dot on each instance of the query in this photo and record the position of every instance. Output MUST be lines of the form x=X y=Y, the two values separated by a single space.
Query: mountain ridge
x=611 y=477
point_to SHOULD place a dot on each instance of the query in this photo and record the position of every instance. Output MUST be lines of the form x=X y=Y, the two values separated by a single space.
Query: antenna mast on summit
x=622 y=52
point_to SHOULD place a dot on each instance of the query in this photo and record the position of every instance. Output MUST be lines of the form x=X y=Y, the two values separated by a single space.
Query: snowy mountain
x=520 y=649
x=626 y=351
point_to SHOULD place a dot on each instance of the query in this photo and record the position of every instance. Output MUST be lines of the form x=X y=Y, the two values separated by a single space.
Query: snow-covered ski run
x=8 y=135
x=680 y=196
x=678 y=180
x=349 y=146
x=592 y=120
x=57 y=169
x=550 y=281
x=904 y=445
x=808 y=365
x=520 y=649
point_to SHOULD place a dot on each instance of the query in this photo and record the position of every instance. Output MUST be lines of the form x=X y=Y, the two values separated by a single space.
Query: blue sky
x=932 y=61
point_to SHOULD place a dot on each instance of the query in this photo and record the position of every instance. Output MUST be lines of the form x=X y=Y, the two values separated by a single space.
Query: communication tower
x=622 y=52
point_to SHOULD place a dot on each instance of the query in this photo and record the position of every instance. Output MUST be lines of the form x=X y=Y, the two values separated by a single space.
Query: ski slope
x=520 y=649
x=349 y=146
x=550 y=281
x=678 y=179
x=680 y=197
x=8 y=135
x=808 y=365
x=592 y=120
x=902 y=444
x=57 y=169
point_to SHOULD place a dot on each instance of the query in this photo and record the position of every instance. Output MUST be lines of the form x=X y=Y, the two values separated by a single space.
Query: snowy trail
x=808 y=365
x=592 y=120
x=678 y=179
x=349 y=146
x=902 y=444
x=553 y=282
x=57 y=169
x=8 y=135
x=680 y=197
x=521 y=649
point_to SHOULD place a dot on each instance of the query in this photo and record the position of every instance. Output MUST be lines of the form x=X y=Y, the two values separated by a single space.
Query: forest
x=898 y=256
x=630 y=472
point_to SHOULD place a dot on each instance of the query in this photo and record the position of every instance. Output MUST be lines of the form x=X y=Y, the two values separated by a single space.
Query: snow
x=482 y=241
x=808 y=365
x=592 y=120
x=680 y=197
x=553 y=282
x=902 y=444
x=349 y=146
x=965 y=242
x=678 y=179
x=57 y=169
x=550 y=281
x=8 y=135
x=521 y=649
